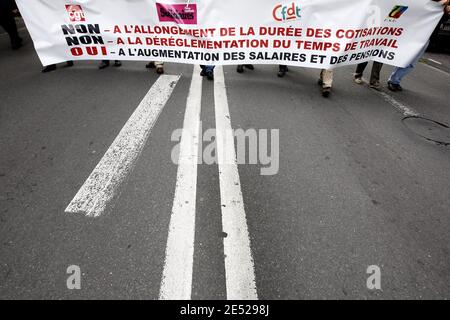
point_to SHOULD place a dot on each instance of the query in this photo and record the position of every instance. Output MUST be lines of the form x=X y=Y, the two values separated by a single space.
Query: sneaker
x=17 y=44
x=358 y=80
x=160 y=70
x=240 y=68
x=249 y=67
x=326 y=92
x=210 y=75
x=49 y=68
x=150 y=65
x=375 y=86
x=104 y=64
x=394 y=87
x=282 y=71
x=117 y=63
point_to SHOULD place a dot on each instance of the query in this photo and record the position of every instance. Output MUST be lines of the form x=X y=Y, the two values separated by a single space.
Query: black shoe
x=320 y=82
x=249 y=67
x=117 y=63
x=210 y=75
x=16 y=44
x=394 y=87
x=160 y=70
x=203 y=73
x=326 y=92
x=49 y=68
x=150 y=65
x=69 y=63
x=104 y=64
x=240 y=68
x=282 y=71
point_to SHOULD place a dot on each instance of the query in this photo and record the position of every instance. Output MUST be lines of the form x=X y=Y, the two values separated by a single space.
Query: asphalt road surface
x=87 y=179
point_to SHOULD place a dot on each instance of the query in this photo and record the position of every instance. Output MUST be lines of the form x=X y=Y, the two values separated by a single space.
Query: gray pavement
x=355 y=186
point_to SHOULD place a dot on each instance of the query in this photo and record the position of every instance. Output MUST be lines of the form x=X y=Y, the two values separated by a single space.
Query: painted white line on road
x=403 y=108
x=101 y=186
x=436 y=69
x=239 y=266
x=434 y=61
x=176 y=282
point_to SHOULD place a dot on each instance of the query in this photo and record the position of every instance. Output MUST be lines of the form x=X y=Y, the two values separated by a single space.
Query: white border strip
x=239 y=268
x=176 y=282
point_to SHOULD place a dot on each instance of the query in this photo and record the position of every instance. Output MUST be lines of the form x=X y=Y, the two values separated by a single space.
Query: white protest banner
x=308 y=33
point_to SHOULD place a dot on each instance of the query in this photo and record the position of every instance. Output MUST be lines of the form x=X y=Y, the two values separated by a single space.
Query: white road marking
x=403 y=108
x=436 y=69
x=176 y=282
x=101 y=186
x=239 y=267
x=432 y=60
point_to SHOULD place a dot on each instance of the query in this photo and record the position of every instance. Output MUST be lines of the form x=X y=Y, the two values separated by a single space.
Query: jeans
x=399 y=73
x=208 y=69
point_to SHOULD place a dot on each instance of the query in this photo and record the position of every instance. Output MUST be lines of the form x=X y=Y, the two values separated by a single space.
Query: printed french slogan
x=307 y=33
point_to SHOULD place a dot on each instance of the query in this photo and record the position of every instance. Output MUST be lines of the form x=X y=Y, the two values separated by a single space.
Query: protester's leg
x=375 y=75
x=8 y=23
x=282 y=69
x=399 y=73
x=326 y=77
x=208 y=71
x=49 y=68
x=359 y=72
x=376 y=70
x=104 y=64
x=159 y=67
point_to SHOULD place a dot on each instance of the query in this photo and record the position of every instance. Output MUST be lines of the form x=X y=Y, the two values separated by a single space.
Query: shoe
x=150 y=65
x=394 y=87
x=320 y=82
x=104 y=64
x=17 y=44
x=203 y=73
x=159 y=70
x=210 y=75
x=375 y=86
x=117 y=63
x=249 y=67
x=49 y=68
x=69 y=63
x=326 y=92
x=358 y=80
x=240 y=68
x=282 y=71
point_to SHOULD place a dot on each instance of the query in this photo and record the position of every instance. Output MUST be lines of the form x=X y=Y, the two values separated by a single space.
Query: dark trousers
x=376 y=69
x=9 y=24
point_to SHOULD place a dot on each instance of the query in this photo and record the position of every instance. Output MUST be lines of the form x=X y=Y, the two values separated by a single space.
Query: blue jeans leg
x=399 y=73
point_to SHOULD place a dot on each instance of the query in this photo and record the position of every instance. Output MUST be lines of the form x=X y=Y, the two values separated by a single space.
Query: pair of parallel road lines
x=119 y=160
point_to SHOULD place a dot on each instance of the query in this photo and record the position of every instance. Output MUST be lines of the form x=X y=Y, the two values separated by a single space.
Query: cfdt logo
x=396 y=13
x=75 y=12
x=286 y=12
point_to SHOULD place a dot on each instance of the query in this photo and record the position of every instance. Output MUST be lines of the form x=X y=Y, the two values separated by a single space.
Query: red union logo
x=75 y=12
